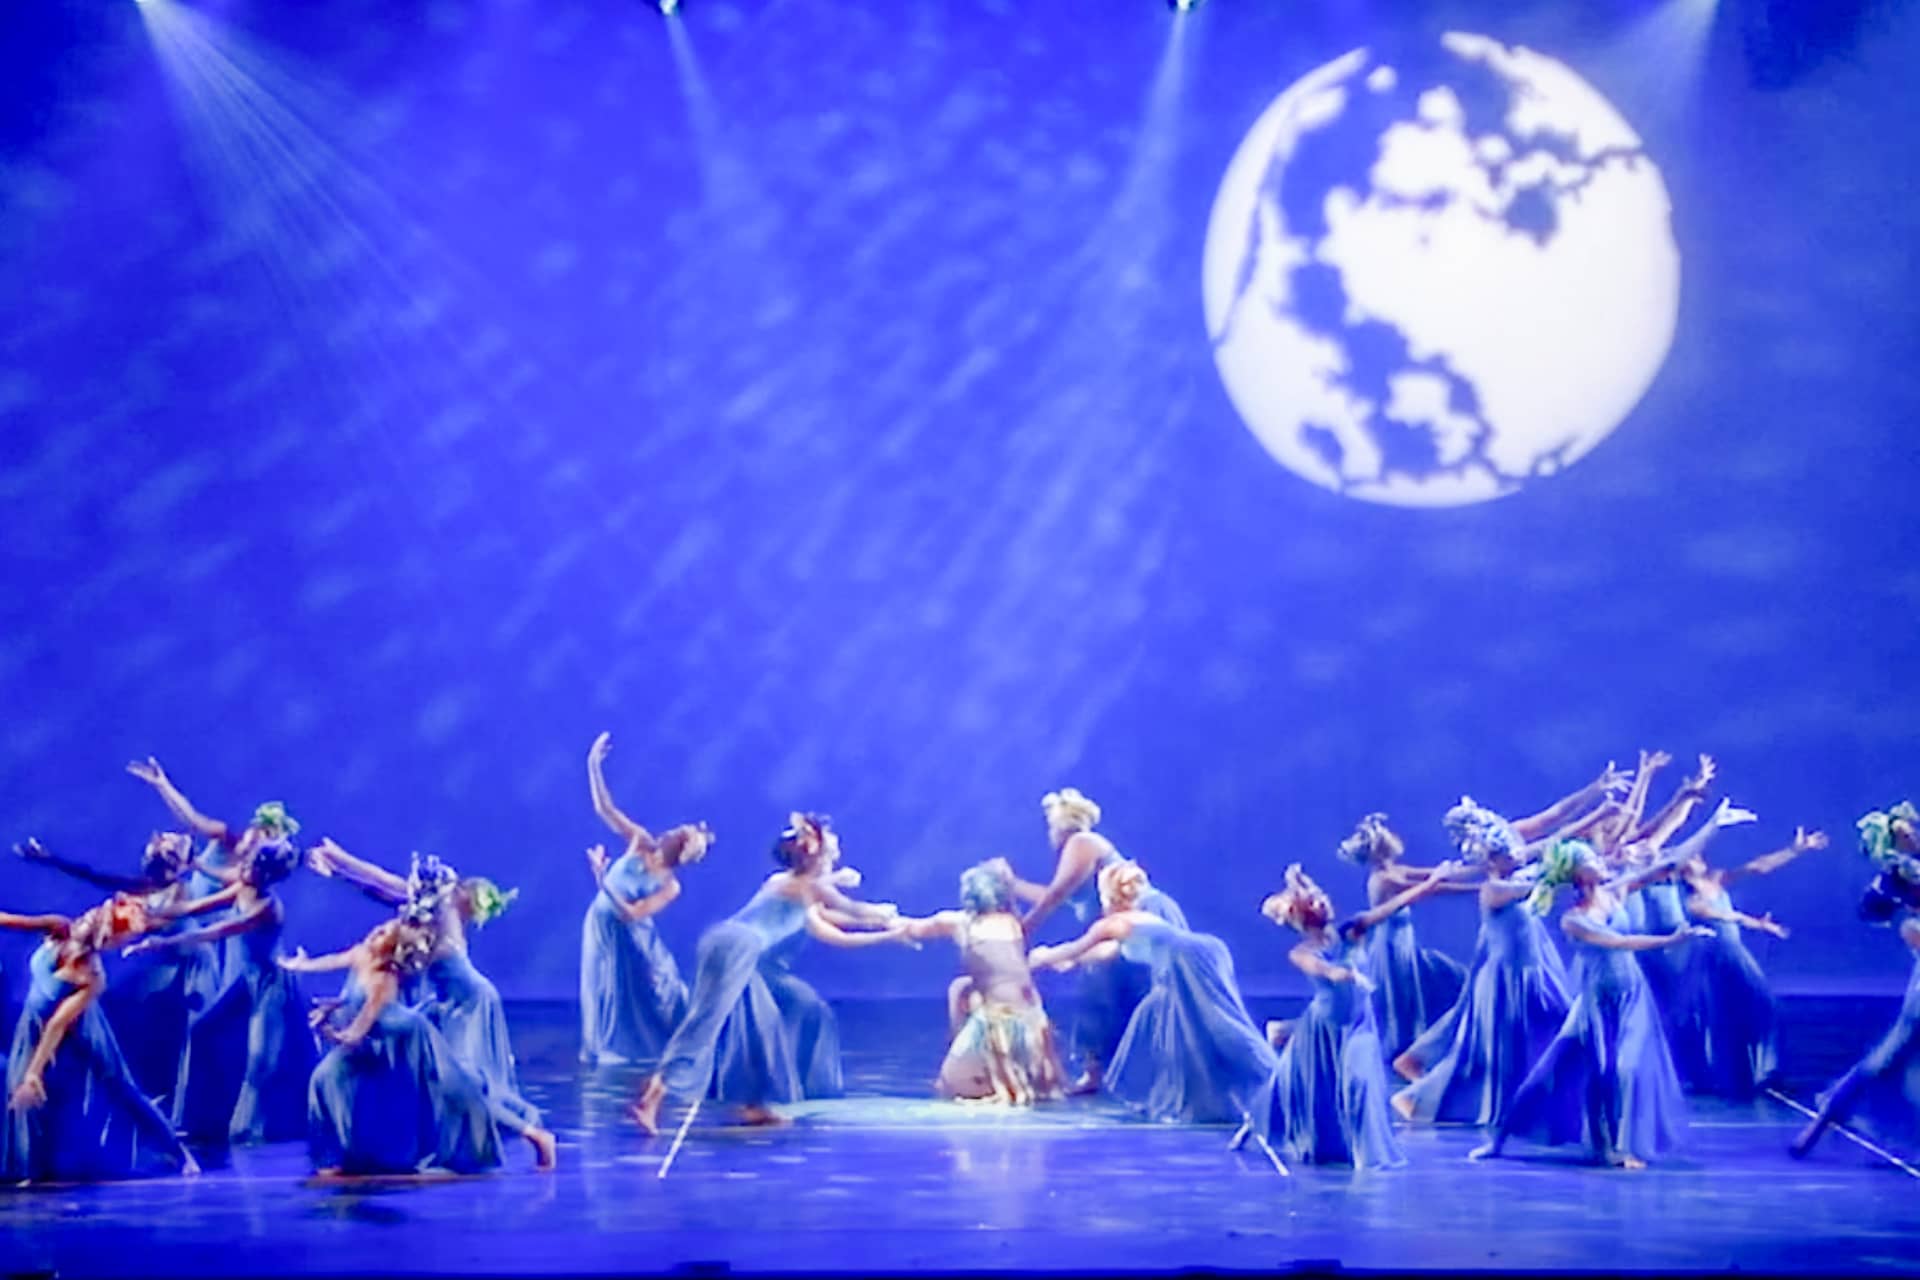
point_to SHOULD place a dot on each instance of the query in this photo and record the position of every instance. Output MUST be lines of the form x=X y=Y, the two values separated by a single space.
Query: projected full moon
x=1431 y=281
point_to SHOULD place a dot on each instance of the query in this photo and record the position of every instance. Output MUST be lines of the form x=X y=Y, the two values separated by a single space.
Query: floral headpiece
x=1477 y=832
x=1876 y=840
x=1301 y=897
x=486 y=900
x=1077 y=806
x=1358 y=847
x=273 y=818
x=985 y=888
x=1120 y=880
x=1558 y=865
x=430 y=882
x=272 y=861
x=805 y=836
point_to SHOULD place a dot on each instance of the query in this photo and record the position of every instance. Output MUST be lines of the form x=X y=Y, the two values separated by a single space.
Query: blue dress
x=810 y=1022
x=1607 y=1078
x=1190 y=1051
x=243 y=1076
x=150 y=999
x=631 y=993
x=733 y=1045
x=399 y=1102
x=1110 y=990
x=1669 y=970
x=1327 y=1100
x=1727 y=1018
x=1884 y=1086
x=1414 y=987
x=96 y=1124
x=1514 y=1003
x=465 y=1008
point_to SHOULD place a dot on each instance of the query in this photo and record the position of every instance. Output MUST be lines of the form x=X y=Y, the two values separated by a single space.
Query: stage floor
x=887 y=1179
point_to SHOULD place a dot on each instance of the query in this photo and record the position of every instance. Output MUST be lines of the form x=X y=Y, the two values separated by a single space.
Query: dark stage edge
x=897 y=1183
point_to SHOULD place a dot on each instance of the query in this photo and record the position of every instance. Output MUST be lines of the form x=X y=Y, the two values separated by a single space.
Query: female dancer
x=391 y=1096
x=733 y=1044
x=148 y=1002
x=631 y=993
x=1607 y=1076
x=79 y=1115
x=1190 y=1052
x=1887 y=1080
x=1003 y=1049
x=1414 y=987
x=1327 y=1102
x=1109 y=990
x=243 y=1077
x=449 y=990
x=1467 y=1069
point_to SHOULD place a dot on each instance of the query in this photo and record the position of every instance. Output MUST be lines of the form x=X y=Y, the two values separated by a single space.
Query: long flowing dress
x=1670 y=972
x=1326 y=1102
x=96 y=1124
x=1414 y=986
x=1006 y=1047
x=1110 y=990
x=399 y=1102
x=1727 y=1017
x=631 y=992
x=249 y=1054
x=733 y=1045
x=1514 y=1003
x=1190 y=1051
x=150 y=1000
x=811 y=1025
x=1607 y=1078
x=1883 y=1088
x=465 y=1008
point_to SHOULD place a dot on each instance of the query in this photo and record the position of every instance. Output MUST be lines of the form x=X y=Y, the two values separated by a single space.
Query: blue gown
x=465 y=1008
x=1190 y=1051
x=809 y=1020
x=150 y=1000
x=243 y=1076
x=1884 y=1086
x=1669 y=970
x=631 y=993
x=399 y=1102
x=96 y=1124
x=1327 y=1100
x=1727 y=1017
x=733 y=1045
x=1607 y=1079
x=1414 y=987
x=1514 y=1003
x=1110 y=990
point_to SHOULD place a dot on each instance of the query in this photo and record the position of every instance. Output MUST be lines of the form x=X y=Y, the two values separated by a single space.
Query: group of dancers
x=409 y=1069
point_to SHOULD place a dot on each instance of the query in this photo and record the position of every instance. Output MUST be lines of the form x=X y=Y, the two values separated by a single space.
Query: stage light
x=1182 y=6
x=669 y=7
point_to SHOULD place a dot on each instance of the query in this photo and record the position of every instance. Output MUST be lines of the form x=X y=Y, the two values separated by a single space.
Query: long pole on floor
x=1851 y=1136
x=679 y=1139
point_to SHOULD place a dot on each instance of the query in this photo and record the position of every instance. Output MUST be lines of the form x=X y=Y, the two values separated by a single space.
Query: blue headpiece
x=1478 y=832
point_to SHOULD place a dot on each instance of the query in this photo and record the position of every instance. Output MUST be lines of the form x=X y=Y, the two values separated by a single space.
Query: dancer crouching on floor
x=733 y=1043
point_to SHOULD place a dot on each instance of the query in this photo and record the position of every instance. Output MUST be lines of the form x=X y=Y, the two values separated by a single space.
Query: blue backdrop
x=817 y=396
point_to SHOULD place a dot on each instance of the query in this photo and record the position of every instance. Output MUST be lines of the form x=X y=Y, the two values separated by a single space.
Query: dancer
x=1414 y=986
x=1003 y=1048
x=1467 y=1068
x=1190 y=1052
x=1327 y=1101
x=1726 y=1017
x=631 y=992
x=1607 y=1078
x=74 y=1111
x=733 y=1045
x=1109 y=991
x=148 y=1001
x=243 y=1076
x=391 y=1096
x=448 y=989
x=1886 y=1081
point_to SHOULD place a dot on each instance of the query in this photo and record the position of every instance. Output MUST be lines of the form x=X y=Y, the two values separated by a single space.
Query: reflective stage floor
x=889 y=1180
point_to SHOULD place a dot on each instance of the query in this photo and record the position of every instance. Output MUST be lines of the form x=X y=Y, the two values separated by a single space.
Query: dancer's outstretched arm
x=1658 y=829
x=833 y=935
x=632 y=910
x=1372 y=916
x=54 y=924
x=1703 y=908
x=1533 y=826
x=617 y=822
x=380 y=988
x=32 y=1089
x=1100 y=941
x=941 y=924
x=232 y=926
x=1767 y=863
x=838 y=903
x=198 y=906
x=1581 y=930
x=33 y=851
x=329 y=859
x=150 y=772
x=1078 y=857
x=301 y=962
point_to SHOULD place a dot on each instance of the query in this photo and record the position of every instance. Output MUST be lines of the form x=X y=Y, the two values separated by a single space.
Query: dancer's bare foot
x=545 y=1150
x=1089 y=1082
x=1485 y=1151
x=765 y=1117
x=1402 y=1104
x=191 y=1169
x=1626 y=1160
x=1407 y=1067
x=646 y=1111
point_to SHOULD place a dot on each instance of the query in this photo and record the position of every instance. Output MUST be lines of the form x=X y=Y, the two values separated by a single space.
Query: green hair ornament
x=487 y=901
x=1557 y=866
x=1876 y=839
x=273 y=818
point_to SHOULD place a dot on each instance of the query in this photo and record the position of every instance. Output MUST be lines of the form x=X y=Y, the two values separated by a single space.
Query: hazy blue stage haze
x=819 y=397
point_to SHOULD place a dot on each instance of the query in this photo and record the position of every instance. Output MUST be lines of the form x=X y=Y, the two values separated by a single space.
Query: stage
x=888 y=1179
